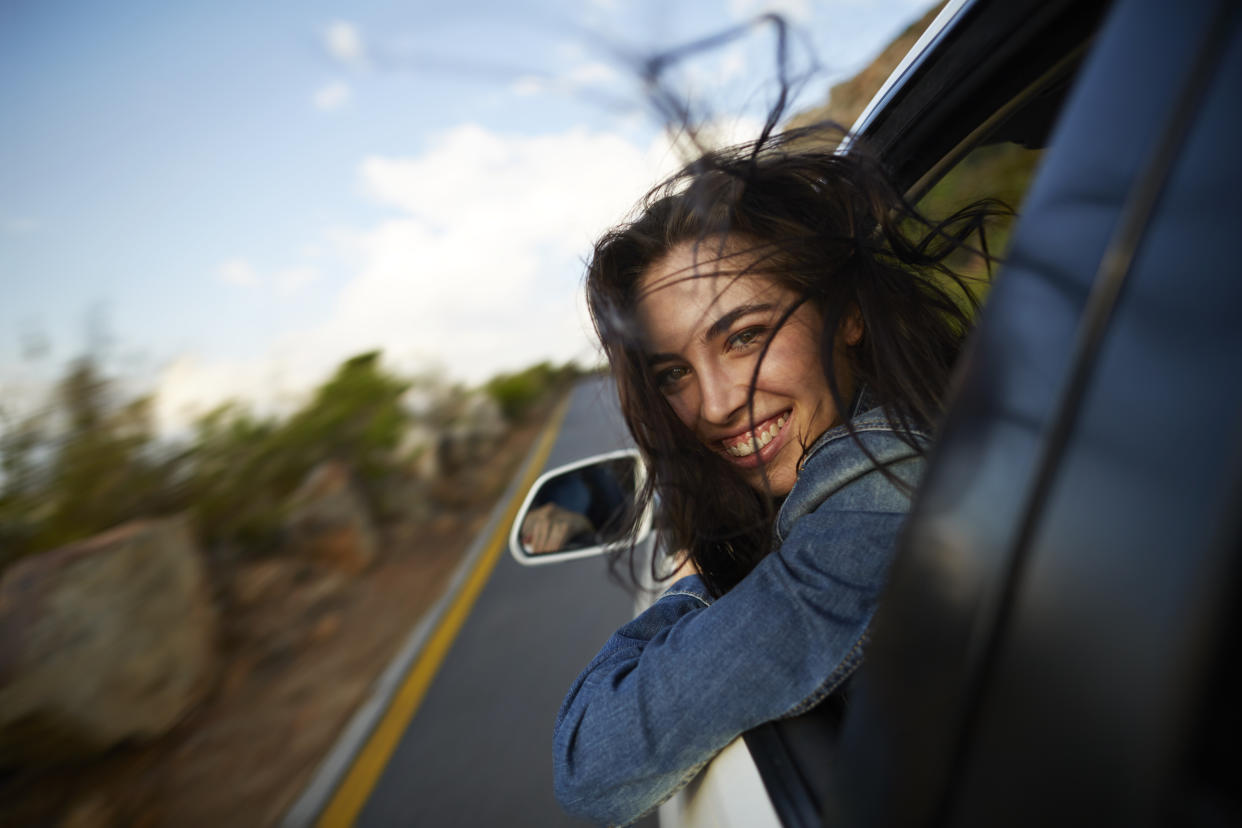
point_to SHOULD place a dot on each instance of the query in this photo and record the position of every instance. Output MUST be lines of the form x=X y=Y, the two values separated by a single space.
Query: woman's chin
x=776 y=483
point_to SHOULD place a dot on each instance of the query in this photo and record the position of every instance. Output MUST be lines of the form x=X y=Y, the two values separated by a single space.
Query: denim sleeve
x=671 y=688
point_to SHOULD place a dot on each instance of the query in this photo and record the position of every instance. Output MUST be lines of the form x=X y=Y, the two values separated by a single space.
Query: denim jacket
x=675 y=685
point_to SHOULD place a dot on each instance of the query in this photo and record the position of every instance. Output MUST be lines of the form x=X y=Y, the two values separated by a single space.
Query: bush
x=517 y=394
x=245 y=469
x=86 y=463
x=90 y=461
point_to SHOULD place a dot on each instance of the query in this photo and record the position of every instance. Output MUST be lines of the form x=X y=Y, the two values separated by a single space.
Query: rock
x=418 y=448
x=105 y=640
x=483 y=417
x=329 y=520
x=325 y=628
x=405 y=497
x=94 y=811
x=237 y=673
x=261 y=581
x=276 y=606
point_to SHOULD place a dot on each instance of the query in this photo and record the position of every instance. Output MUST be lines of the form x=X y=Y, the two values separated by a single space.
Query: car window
x=998 y=171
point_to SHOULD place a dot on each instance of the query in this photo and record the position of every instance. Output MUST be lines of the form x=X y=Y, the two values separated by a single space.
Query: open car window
x=1001 y=172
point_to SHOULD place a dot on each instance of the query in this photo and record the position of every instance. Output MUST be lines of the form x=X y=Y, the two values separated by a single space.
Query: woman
x=781 y=344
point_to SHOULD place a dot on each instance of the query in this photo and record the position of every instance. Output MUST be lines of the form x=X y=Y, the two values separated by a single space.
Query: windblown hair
x=832 y=229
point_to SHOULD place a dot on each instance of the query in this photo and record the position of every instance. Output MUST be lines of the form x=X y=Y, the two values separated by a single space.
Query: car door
x=1057 y=643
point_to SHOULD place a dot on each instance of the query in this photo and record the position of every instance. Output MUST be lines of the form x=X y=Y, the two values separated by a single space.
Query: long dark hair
x=832 y=229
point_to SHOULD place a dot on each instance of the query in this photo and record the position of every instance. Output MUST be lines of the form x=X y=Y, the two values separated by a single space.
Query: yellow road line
x=358 y=783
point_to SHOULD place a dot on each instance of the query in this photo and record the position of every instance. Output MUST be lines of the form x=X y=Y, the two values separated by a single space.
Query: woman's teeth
x=749 y=443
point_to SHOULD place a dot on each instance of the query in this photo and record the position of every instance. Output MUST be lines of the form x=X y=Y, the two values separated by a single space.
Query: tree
x=83 y=465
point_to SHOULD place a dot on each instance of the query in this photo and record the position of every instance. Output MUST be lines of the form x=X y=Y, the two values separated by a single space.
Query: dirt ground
x=300 y=650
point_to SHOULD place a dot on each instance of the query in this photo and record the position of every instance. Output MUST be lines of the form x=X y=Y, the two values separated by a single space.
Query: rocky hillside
x=847 y=99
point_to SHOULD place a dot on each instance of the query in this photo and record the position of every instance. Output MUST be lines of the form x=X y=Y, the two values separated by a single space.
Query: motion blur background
x=288 y=290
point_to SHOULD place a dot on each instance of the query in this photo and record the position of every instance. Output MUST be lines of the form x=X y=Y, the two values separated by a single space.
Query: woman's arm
x=684 y=678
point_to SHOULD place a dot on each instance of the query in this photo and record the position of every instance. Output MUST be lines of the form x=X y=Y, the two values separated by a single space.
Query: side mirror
x=580 y=510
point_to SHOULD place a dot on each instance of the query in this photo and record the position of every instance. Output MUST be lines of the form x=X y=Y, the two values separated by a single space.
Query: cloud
x=286 y=282
x=476 y=267
x=332 y=96
x=584 y=76
x=238 y=272
x=479 y=267
x=733 y=62
x=343 y=41
x=570 y=51
x=591 y=74
x=293 y=280
x=527 y=85
x=191 y=386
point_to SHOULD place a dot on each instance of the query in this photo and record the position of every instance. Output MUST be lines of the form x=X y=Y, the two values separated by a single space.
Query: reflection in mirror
x=581 y=508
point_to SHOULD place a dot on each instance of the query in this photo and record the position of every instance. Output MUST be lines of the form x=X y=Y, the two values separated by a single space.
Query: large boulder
x=329 y=520
x=420 y=449
x=102 y=641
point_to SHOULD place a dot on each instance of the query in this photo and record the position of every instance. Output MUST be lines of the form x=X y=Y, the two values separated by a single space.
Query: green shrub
x=90 y=460
x=86 y=463
x=243 y=469
x=518 y=393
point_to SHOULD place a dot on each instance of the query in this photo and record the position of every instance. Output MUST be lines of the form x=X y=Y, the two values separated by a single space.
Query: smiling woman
x=781 y=327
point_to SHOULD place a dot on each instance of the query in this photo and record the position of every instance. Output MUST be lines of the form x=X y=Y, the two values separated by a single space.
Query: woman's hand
x=548 y=527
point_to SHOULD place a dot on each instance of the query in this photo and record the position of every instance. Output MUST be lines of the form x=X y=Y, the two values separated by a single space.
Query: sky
x=225 y=200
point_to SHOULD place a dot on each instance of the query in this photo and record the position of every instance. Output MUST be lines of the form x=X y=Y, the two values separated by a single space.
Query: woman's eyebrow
x=725 y=322
x=718 y=327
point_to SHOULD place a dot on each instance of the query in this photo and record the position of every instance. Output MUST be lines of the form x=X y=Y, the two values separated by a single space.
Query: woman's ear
x=852 y=329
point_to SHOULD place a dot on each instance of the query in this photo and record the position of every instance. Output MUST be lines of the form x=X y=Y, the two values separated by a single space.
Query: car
x=1055 y=643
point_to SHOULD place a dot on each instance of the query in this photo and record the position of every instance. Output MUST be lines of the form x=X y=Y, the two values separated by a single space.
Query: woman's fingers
x=548 y=527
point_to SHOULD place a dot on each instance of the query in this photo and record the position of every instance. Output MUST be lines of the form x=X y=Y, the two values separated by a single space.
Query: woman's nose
x=723 y=395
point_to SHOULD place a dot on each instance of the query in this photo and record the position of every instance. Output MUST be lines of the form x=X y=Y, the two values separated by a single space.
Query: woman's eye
x=669 y=377
x=746 y=337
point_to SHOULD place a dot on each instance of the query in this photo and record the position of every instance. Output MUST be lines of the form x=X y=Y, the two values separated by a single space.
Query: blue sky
x=226 y=199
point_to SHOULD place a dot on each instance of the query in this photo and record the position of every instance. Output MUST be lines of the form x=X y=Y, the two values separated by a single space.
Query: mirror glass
x=580 y=508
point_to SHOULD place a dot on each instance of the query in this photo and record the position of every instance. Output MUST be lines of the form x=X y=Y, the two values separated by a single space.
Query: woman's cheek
x=684 y=408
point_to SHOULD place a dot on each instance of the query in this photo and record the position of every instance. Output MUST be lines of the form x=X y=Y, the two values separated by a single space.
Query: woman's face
x=706 y=319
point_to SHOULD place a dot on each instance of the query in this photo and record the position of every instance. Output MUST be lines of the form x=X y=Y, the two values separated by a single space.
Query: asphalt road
x=479 y=750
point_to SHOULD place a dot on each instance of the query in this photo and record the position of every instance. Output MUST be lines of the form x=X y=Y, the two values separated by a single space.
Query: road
x=479 y=750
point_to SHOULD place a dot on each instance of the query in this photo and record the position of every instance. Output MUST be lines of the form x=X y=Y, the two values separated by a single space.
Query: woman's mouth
x=748 y=443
